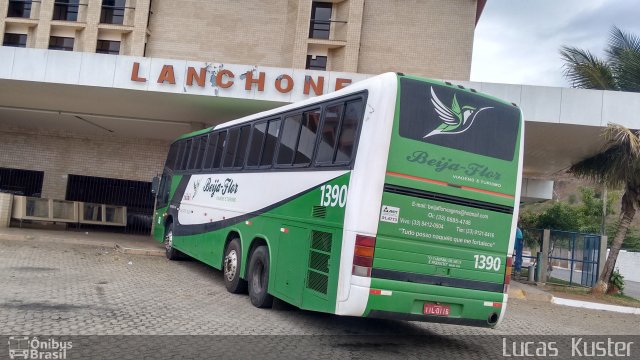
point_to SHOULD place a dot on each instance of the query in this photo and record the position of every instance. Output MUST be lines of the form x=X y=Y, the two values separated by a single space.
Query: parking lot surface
x=71 y=289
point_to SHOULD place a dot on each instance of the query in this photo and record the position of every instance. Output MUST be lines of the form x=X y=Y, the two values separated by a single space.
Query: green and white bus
x=396 y=197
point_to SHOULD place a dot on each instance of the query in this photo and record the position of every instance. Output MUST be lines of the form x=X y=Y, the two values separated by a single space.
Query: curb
x=134 y=251
x=595 y=306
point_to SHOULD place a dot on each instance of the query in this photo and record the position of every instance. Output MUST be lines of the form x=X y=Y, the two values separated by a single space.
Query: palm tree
x=618 y=164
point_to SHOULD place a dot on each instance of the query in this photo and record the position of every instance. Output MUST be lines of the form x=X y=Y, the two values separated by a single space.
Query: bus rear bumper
x=381 y=314
x=406 y=301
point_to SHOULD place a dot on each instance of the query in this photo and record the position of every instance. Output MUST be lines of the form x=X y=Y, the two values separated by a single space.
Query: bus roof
x=374 y=82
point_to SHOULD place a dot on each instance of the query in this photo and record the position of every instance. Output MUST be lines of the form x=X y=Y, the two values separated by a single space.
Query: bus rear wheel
x=231 y=268
x=259 y=278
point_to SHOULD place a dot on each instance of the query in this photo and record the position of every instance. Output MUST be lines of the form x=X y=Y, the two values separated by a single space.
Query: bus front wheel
x=259 y=278
x=231 y=268
x=170 y=252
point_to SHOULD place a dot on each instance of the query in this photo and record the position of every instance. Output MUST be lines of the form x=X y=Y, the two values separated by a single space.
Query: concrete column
x=6 y=203
x=4 y=5
x=139 y=35
x=90 y=33
x=44 y=24
x=354 y=30
x=302 y=35
x=602 y=258
x=546 y=238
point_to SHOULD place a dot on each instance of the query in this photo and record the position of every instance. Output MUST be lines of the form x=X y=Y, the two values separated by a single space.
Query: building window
x=113 y=11
x=320 y=20
x=19 y=8
x=15 y=40
x=61 y=43
x=108 y=47
x=316 y=62
x=66 y=10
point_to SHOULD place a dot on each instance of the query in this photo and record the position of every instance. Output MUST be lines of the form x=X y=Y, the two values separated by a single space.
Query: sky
x=518 y=41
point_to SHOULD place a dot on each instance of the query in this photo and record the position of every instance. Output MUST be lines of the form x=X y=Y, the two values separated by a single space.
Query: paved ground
x=75 y=289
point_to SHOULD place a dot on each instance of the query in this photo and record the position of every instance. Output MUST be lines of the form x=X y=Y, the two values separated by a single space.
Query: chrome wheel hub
x=230 y=265
x=168 y=241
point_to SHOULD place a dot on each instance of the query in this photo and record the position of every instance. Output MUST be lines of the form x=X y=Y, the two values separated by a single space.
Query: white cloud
x=518 y=41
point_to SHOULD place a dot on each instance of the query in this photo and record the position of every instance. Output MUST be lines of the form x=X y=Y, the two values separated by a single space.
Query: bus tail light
x=363 y=255
x=507 y=274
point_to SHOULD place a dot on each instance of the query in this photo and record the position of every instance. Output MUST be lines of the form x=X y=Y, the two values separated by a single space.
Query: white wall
x=629 y=265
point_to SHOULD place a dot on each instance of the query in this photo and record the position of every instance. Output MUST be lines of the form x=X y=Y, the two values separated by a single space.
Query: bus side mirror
x=155 y=183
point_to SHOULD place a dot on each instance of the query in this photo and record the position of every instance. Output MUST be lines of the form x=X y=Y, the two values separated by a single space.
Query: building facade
x=429 y=37
x=89 y=107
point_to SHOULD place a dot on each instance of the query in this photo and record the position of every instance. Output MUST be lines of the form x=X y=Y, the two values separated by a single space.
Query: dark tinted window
x=197 y=153
x=257 y=142
x=61 y=43
x=19 y=8
x=307 y=139
x=185 y=156
x=270 y=142
x=230 y=148
x=316 y=62
x=16 y=40
x=171 y=157
x=242 y=146
x=320 y=20
x=113 y=11
x=180 y=155
x=108 y=47
x=329 y=134
x=289 y=139
x=66 y=10
x=348 y=131
x=456 y=119
x=214 y=150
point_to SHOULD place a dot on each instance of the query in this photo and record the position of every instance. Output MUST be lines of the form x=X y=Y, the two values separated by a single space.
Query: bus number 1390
x=333 y=195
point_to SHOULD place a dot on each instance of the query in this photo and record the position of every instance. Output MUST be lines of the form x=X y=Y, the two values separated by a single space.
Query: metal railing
x=321 y=29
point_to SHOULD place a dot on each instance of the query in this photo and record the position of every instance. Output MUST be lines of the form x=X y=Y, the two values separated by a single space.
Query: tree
x=619 y=162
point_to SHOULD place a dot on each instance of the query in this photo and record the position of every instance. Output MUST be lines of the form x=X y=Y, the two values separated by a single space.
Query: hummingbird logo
x=455 y=120
x=196 y=186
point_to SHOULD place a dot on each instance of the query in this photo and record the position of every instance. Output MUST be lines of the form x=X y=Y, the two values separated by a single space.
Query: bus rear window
x=457 y=119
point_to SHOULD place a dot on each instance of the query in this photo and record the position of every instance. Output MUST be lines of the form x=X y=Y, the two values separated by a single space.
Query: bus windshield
x=455 y=136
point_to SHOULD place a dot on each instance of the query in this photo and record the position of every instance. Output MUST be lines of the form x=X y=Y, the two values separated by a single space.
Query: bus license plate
x=439 y=310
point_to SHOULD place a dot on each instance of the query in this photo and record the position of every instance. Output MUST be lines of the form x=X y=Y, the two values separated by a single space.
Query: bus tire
x=231 y=268
x=170 y=252
x=259 y=278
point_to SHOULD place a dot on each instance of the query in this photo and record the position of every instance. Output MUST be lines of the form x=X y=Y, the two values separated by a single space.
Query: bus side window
x=257 y=143
x=173 y=154
x=163 y=192
x=179 y=156
x=211 y=151
x=195 y=162
x=330 y=127
x=348 y=131
x=307 y=138
x=289 y=139
x=230 y=148
x=270 y=143
x=220 y=145
x=185 y=156
x=242 y=146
